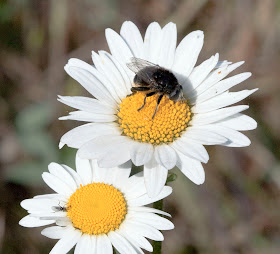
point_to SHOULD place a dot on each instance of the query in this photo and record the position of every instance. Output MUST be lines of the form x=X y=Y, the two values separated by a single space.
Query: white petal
x=38 y=205
x=87 y=104
x=84 y=245
x=221 y=101
x=214 y=77
x=122 y=82
x=74 y=174
x=222 y=86
x=118 y=46
x=141 y=153
x=84 y=169
x=152 y=42
x=168 y=45
x=135 y=187
x=145 y=199
x=54 y=196
x=155 y=177
x=192 y=149
x=84 y=133
x=110 y=150
x=235 y=138
x=121 y=244
x=191 y=168
x=56 y=184
x=65 y=244
x=165 y=156
x=31 y=222
x=187 y=53
x=89 y=78
x=54 y=232
x=59 y=171
x=136 y=240
x=89 y=117
x=239 y=122
x=199 y=74
x=110 y=75
x=222 y=63
x=203 y=136
x=152 y=219
x=148 y=210
x=217 y=115
x=143 y=230
x=133 y=38
x=103 y=245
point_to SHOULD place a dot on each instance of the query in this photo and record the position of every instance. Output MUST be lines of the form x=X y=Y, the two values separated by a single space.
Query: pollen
x=96 y=208
x=169 y=122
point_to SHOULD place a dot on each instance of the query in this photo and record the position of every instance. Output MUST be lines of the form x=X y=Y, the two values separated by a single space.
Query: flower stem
x=157 y=244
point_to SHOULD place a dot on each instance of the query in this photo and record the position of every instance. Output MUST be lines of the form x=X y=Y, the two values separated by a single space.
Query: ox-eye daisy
x=118 y=132
x=96 y=209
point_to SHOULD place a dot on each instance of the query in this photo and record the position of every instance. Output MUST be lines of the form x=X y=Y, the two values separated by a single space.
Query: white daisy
x=96 y=208
x=118 y=132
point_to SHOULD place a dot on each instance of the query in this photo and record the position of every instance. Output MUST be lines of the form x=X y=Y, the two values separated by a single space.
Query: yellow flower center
x=96 y=208
x=168 y=123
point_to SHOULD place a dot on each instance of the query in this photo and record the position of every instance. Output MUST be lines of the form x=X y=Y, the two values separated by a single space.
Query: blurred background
x=237 y=210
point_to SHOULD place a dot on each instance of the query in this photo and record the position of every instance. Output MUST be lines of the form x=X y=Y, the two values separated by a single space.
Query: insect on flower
x=153 y=79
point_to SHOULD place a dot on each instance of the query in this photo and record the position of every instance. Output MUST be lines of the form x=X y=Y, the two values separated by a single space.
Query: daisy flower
x=96 y=209
x=118 y=131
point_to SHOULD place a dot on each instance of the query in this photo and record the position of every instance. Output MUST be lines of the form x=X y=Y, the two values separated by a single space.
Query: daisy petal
x=141 y=153
x=144 y=230
x=59 y=171
x=211 y=80
x=84 y=169
x=56 y=184
x=84 y=133
x=145 y=199
x=148 y=210
x=203 y=136
x=89 y=117
x=221 y=101
x=84 y=245
x=38 y=205
x=103 y=245
x=120 y=243
x=191 y=168
x=133 y=38
x=155 y=177
x=222 y=86
x=165 y=156
x=168 y=45
x=153 y=220
x=118 y=46
x=54 y=232
x=217 y=115
x=85 y=74
x=109 y=150
x=152 y=42
x=192 y=149
x=239 y=122
x=66 y=243
x=187 y=53
x=235 y=138
x=87 y=104
x=199 y=74
x=31 y=222
x=136 y=240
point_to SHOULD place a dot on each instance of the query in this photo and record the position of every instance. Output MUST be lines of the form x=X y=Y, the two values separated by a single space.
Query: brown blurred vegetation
x=237 y=210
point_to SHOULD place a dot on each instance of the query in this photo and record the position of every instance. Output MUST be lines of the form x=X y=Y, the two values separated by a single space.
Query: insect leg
x=140 y=88
x=158 y=102
x=147 y=95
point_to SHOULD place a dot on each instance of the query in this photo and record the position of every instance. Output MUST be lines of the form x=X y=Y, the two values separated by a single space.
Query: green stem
x=157 y=245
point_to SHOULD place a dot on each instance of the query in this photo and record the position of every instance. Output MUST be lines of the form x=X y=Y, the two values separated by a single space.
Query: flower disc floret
x=168 y=123
x=97 y=208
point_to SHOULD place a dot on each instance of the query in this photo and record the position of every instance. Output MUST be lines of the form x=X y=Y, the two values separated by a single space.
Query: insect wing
x=138 y=64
